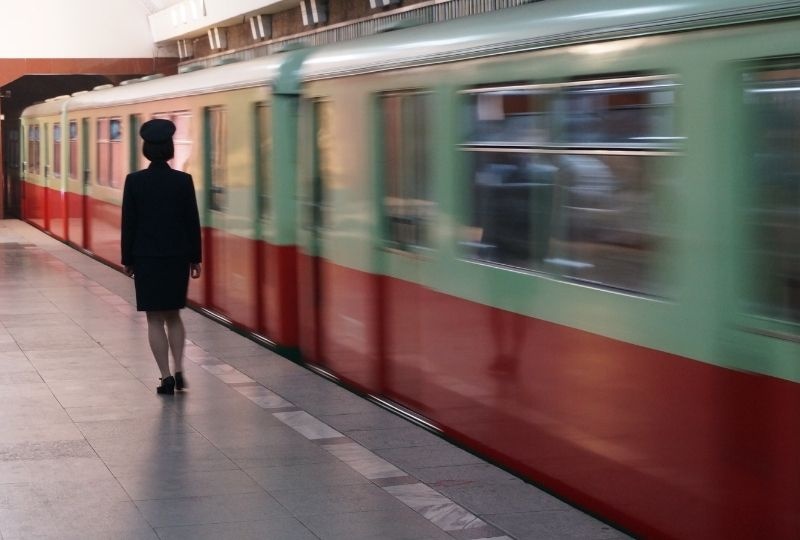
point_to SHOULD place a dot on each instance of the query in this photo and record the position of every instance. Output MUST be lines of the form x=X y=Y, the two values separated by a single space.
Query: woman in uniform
x=161 y=247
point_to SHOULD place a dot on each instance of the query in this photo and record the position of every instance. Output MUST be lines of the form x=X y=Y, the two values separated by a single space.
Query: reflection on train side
x=564 y=177
x=772 y=205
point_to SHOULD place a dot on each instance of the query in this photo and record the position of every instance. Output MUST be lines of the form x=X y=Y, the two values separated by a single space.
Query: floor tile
x=398 y=524
x=400 y=437
x=168 y=484
x=364 y=461
x=503 y=498
x=135 y=427
x=274 y=529
x=249 y=457
x=256 y=506
x=305 y=476
x=555 y=525
x=336 y=499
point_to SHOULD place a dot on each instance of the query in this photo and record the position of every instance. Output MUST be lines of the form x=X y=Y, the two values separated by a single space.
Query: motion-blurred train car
x=567 y=235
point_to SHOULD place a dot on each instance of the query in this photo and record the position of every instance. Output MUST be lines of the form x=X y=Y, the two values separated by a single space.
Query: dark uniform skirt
x=161 y=283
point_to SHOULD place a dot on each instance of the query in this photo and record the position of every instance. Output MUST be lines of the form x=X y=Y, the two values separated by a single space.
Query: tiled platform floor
x=257 y=448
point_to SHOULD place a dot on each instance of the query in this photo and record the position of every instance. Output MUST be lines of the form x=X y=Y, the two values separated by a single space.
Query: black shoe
x=167 y=386
x=180 y=384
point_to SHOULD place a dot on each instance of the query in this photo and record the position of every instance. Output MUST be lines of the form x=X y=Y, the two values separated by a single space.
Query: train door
x=74 y=186
x=231 y=280
x=265 y=284
x=406 y=207
x=759 y=327
x=85 y=175
x=310 y=269
x=57 y=210
x=33 y=192
x=216 y=205
x=46 y=171
x=763 y=318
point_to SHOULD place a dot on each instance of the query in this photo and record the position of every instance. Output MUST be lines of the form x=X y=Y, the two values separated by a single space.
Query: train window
x=181 y=140
x=73 y=149
x=216 y=125
x=103 y=152
x=408 y=205
x=115 y=141
x=57 y=150
x=633 y=113
x=263 y=160
x=46 y=149
x=772 y=208
x=513 y=115
x=324 y=165
x=33 y=148
x=566 y=200
x=109 y=152
x=136 y=158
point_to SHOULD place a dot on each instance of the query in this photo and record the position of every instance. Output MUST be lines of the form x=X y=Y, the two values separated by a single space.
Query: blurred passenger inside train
x=774 y=213
x=161 y=247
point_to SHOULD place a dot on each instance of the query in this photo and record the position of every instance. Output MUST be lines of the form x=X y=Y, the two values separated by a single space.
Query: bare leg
x=158 y=341
x=176 y=336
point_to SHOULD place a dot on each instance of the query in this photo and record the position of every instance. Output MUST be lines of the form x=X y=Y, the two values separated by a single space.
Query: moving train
x=565 y=234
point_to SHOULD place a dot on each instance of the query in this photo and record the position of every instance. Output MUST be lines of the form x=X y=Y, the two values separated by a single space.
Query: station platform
x=257 y=447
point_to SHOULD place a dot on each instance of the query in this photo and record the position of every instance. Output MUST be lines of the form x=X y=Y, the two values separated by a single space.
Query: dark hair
x=158 y=151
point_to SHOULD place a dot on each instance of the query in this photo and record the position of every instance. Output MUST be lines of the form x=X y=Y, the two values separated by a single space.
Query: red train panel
x=75 y=215
x=308 y=324
x=347 y=328
x=278 y=289
x=232 y=266
x=56 y=213
x=638 y=435
x=104 y=233
x=33 y=204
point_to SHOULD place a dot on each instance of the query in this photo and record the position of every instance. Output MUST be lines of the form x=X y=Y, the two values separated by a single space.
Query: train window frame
x=34 y=156
x=472 y=249
x=215 y=161
x=46 y=150
x=182 y=140
x=108 y=144
x=136 y=159
x=263 y=151
x=72 y=153
x=58 y=136
x=320 y=169
x=752 y=313
x=395 y=235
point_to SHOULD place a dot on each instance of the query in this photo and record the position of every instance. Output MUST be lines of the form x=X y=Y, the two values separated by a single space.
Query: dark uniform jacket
x=159 y=215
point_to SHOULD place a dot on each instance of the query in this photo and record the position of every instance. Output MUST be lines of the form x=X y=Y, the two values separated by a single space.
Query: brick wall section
x=287 y=23
x=240 y=36
x=346 y=10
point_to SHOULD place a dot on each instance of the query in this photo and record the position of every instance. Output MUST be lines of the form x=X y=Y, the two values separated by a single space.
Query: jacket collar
x=159 y=165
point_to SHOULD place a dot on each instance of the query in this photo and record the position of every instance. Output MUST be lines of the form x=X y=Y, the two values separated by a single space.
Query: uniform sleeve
x=193 y=225
x=129 y=218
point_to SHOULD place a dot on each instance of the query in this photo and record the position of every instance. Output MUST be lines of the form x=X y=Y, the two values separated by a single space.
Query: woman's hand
x=196 y=269
x=128 y=270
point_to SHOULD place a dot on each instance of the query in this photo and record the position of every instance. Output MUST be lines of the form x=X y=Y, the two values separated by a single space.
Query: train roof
x=51 y=107
x=238 y=75
x=258 y=72
x=539 y=25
